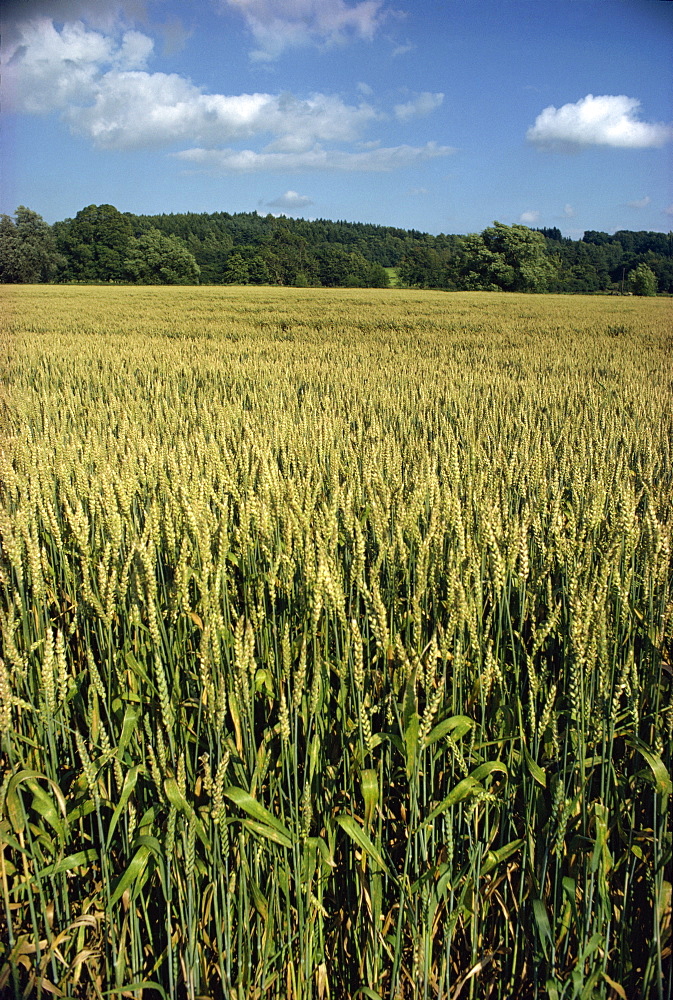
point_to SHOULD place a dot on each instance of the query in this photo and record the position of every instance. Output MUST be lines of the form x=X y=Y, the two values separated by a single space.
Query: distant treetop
x=102 y=244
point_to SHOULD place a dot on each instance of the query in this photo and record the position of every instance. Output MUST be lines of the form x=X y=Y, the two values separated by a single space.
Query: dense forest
x=102 y=244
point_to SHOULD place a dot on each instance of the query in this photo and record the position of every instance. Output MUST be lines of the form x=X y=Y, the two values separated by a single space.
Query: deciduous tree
x=27 y=248
x=96 y=243
x=523 y=252
x=156 y=259
x=642 y=280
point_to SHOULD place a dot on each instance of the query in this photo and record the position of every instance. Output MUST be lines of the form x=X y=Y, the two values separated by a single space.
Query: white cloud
x=109 y=16
x=365 y=89
x=134 y=50
x=669 y=209
x=222 y=161
x=597 y=121
x=104 y=93
x=46 y=70
x=418 y=190
x=278 y=25
x=401 y=50
x=100 y=85
x=568 y=211
x=640 y=202
x=529 y=218
x=291 y=199
x=422 y=104
x=136 y=110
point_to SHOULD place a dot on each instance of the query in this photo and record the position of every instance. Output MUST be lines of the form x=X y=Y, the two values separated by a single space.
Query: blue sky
x=437 y=115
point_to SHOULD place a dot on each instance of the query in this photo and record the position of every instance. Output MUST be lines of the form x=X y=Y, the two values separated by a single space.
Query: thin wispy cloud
x=102 y=14
x=384 y=159
x=597 y=121
x=421 y=105
x=279 y=25
x=640 y=202
x=174 y=35
x=568 y=211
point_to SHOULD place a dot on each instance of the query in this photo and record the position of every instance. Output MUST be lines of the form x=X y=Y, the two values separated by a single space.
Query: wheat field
x=336 y=641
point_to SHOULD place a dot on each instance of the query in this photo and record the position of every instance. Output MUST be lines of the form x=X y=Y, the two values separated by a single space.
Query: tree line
x=102 y=244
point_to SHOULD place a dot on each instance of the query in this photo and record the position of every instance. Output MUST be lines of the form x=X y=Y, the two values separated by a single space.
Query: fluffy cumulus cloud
x=529 y=218
x=289 y=200
x=135 y=110
x=105 y=15
x=597 y=121
x=104 y=92
x=278 y=25
x=383 y=159
x=100 y=83
x=47 y=70
x=420 y=105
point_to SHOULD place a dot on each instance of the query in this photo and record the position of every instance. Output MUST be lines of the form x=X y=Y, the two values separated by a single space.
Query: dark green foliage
x=95 y=244
x=156 y=259
x=236 y=272
x=28 y=251
x=483 y=269
x=521 y=257
x=642 y=280
x=211 y=253
x=425 y=267
x=248 y=248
